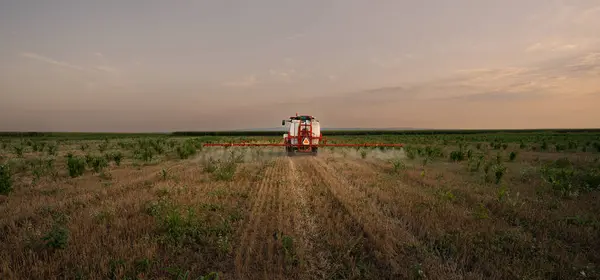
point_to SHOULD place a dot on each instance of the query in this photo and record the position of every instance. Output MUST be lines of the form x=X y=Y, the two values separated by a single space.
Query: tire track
x=399 y=200
x=251 y=249
x=341 y=238
x=315 y=262
x=389 y=236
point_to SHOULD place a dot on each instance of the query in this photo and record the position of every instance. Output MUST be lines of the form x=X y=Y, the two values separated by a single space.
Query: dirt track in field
x=324 y=212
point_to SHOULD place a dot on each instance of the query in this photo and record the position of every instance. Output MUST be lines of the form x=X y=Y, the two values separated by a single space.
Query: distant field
x=449 y=205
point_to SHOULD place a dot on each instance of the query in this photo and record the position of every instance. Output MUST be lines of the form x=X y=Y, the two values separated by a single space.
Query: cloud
x=587 y=62
x=52 y=61
x=498 y=96
x=282 y=75
x=245 y=82
x=551 y=47
x=392 y=61
x=101 y=68
x=106 y=69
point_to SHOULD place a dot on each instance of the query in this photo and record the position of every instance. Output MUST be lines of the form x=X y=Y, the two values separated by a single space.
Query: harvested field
x=443 y=207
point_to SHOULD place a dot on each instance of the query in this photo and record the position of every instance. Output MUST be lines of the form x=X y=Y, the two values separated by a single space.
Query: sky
x=153 y=65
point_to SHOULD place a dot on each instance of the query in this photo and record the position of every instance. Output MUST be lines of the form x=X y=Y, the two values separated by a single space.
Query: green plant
x=502 y=193
x=544 y=146
x=117 y=157
x=99 y=163
x=186 y=150
x=512 y=156
x=457 y=155
x=482 y=212
x=398 y=165
x=410 y=153
x=57 y=237
x=52 y=148
x=569 y=179
x=499 y=171
x=522 y=145
x=5 y=179
x=103 y=146
x=144 y=153
x=76 y=165
x=210 y=165
x=226 y=171
x=19 y=150
x=363 y=154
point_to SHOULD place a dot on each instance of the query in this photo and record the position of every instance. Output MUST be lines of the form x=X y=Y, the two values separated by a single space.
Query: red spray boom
x=304 y=135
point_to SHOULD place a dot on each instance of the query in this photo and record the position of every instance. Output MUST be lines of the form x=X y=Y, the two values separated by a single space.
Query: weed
x=6 y=180
x=186 y=150
x=145 y=154
x=398 y=164
x=568 y=179
x=363 y=154
x=164 y=174
x=502 y=192
x=448 y=195
x=235 y=157
x=226 y=171
x=18 y=150
x=76 y=165
x=223 y=243
x=98 y=163
x=481 y=212
x=512 y=156
x=210 y=165
x=457 y=155
x=103 y=146
x=57 y=237
x=410 y=153
x=499 y=171
x=52 y=149
x=417 y=272
x=117 y=157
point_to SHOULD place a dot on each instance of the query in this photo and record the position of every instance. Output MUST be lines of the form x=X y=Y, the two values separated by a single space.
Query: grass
x=472 y=205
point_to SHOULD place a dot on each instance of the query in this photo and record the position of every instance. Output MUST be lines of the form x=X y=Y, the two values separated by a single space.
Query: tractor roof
x=302 y=118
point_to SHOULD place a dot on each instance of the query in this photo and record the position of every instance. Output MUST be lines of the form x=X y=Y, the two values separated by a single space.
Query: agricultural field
x=503 y=205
